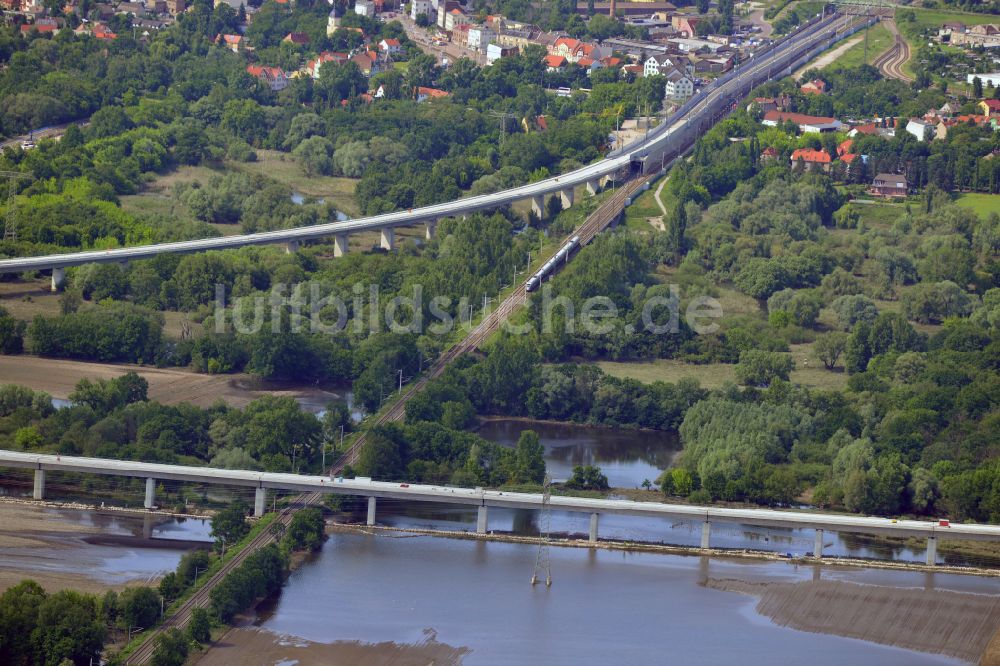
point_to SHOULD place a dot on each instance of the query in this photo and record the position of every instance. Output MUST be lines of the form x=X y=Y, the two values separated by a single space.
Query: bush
x=587 y=477
x=760 y=368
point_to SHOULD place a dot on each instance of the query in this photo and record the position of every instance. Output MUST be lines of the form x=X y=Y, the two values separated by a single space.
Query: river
x=364 y=597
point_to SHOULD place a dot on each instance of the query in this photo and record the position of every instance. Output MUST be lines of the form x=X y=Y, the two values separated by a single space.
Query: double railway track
x=891 y=62
x=596 y=222
x=201 y=599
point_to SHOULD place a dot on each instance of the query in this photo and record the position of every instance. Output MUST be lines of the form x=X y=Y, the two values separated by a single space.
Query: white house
x=364 y=8
x=920 y=128
x=479 y=37
x=390 y=46
x=418 y=7
x=679 y=85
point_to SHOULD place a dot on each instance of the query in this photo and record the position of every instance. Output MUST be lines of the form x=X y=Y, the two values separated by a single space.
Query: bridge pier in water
x=388 y=238
x=593 y=528
x=538 y=206
x=39 y=489
x=931 y=551
x=371 y=510
x=58 y=278
x=566 y=196
x=150 y=493
x=430 y=229
x=818 y=545
x=481 y=519
x=339 y=245
x=259 y=502
x=706 y=534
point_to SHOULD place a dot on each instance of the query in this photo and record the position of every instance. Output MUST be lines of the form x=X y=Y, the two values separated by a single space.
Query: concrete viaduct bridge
x=932 y=531
x=648 y=154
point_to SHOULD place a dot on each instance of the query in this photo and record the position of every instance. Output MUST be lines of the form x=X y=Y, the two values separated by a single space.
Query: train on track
x=562 y=256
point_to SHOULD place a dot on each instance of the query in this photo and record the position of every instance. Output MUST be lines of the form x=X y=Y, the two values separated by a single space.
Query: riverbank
x=74 y=546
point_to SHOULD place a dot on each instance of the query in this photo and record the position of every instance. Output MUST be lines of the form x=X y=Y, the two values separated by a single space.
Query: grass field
x=283 y=168
x=808 y=371
x=644 y=207
x=879 y=39
x=878 y=214
x=984 y=204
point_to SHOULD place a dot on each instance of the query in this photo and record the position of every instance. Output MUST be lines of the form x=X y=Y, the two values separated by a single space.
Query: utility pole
x=10 y=219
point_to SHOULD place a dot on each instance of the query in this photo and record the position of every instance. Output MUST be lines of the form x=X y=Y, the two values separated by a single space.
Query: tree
x=829 y=347
x=760 y=368
x=587 y=477
x=421 y=71
x=851 y=309
x=305 y=532
x=315 y=155
x=529 y=455
x=11 y=333
x=171 y=649
x=977 y=87
x=230 y=524
x=140 y=607
x=199 y=629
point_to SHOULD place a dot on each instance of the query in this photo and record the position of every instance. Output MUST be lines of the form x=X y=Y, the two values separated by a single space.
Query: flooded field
x=91 y=551
x=626 y=457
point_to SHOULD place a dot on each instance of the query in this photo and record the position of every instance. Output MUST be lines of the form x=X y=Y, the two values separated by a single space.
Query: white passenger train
x=535 y=281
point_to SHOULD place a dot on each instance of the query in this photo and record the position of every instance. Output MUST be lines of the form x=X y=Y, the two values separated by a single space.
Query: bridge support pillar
x=388 y=239
x=593 y=528
x=58 y=278
x=259 y=502
x=818 y=545
x=593 y=186
x=340 y=245
x=706 y=534
x=150 y=493
x=567 y=198
x=291 y=247
x=538 y=206
x=39 y=491
x=371 y=510
x=430 y=229
x=482 y=519
x=931 y=551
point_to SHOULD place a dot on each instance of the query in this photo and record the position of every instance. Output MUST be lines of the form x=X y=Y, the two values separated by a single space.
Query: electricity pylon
x=544 y=527
x=10 y=219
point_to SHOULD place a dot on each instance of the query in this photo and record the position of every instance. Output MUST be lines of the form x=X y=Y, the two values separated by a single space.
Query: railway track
x=891 y=62
x=596 y=222
x=202 y=597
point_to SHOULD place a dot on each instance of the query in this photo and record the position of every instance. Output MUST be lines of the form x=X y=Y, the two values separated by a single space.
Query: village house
x=814 y=87
x=769 y=154
x=805 y=123
x=297 y=38
x=888 y=185
x=423 y=93
x=480 y=37
x=554 y=63
x=679 y=86
x=685 y=25
x=272 y=76
x=232 y=42
x=811 y=160
x=495 y=52
x=990 y=106
x=313 y=66
x=921 y=129
x=418 y=7
x=390 y=46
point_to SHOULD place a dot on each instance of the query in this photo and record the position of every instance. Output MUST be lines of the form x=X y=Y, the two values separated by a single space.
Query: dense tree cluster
x=51 y=629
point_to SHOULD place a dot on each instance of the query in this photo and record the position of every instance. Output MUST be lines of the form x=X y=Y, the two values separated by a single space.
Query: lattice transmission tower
x=542 y=564
x=10 y=218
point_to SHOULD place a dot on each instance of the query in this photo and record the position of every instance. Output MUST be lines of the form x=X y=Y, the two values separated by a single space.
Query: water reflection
x=626 y=457
x=604 y=607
